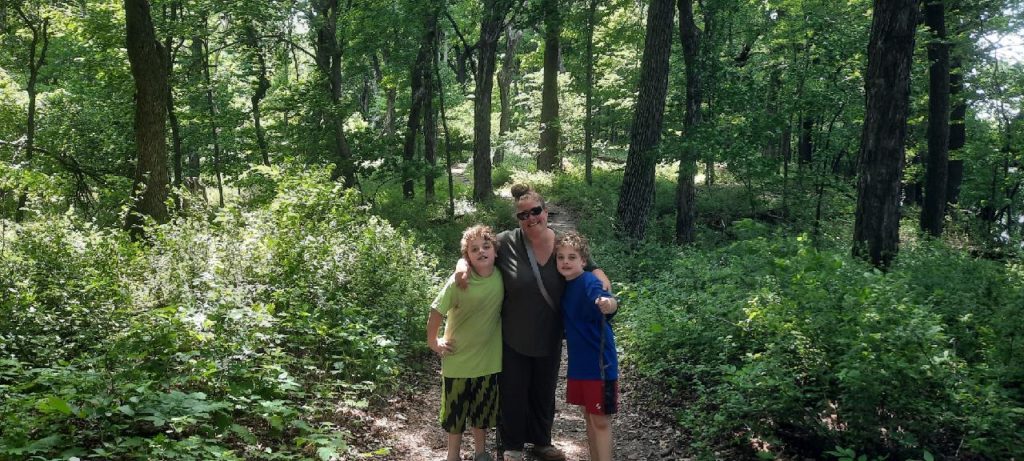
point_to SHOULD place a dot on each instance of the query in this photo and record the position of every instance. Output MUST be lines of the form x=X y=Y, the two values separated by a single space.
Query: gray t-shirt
x=528 y=324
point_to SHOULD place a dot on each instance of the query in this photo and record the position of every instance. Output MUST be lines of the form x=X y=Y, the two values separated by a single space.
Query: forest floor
x=407 y=423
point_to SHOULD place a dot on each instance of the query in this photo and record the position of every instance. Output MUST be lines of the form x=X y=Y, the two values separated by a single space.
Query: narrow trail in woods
x=406 y=424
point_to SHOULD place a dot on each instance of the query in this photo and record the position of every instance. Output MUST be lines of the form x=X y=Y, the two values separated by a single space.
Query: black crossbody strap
x=536 y=272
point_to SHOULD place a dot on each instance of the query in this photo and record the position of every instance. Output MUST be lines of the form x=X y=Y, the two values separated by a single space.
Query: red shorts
x=596 y=396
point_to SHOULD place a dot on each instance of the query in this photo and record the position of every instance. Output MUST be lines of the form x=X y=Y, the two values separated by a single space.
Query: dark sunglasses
x=523 y=215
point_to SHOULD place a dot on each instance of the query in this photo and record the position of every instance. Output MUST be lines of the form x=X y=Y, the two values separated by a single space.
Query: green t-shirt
x=473 y=326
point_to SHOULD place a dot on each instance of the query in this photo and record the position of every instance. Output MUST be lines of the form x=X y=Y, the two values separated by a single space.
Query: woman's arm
x=606 y=284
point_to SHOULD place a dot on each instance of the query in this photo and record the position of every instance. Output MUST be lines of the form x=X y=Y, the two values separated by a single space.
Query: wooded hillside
x=222 y=222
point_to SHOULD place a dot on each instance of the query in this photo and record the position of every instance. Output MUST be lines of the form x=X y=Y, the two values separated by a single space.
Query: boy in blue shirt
x=593 y=366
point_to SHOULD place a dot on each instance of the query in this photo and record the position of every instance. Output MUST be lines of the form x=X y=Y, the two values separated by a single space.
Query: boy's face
x=570 y=264
x=481 y=254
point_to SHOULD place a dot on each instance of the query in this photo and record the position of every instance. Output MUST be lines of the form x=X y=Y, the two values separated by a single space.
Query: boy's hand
x=462 y=274
x=607 y=305
x=441 y=347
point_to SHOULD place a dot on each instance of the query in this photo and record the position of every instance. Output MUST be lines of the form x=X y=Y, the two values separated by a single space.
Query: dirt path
x=406 y=425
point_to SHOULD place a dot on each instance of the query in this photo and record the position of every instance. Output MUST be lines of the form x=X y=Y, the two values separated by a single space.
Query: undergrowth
x=774 y=343
x=237 y=337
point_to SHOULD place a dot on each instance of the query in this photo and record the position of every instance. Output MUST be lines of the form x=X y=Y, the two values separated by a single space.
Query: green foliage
x=236 y=337
x=769 y=338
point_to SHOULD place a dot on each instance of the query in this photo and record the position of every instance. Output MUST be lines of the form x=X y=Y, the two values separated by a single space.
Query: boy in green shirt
x=470 y=349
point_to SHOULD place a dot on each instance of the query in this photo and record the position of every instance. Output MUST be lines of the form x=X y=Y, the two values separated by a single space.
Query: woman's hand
x=462 y=274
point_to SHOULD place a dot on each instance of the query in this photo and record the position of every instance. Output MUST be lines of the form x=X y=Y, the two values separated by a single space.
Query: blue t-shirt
x=584 y=327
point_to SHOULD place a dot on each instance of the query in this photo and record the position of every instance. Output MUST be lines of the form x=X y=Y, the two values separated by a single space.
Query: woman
x=531 y=323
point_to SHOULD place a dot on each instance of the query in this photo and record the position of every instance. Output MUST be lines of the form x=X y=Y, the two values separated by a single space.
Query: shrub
x=216 y=338
x=770 y=339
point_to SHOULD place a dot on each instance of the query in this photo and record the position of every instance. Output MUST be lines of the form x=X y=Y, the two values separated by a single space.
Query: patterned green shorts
x=469 y=402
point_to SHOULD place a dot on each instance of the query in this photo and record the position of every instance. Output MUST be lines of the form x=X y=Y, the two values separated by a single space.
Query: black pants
x=527 y=388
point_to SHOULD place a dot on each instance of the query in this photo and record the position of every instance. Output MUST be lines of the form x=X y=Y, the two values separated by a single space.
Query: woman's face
x=532 y=216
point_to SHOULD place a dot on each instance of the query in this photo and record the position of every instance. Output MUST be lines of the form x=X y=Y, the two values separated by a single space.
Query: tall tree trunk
x=550 y=129
x=192 y=169
x=412 y=129
x=588 y=124
x=447 y=135
x=390 y=95
x=806 y=145
x=490 y=29
x=177 y=158
x=366 y=95
x=509 y=69
x=36 y=60
x=690 y=37
x=259 y=91
x=202 y=46
x=377 y=76
x=417 y=94
x=429 y=120
x=389 y=116
x=178 y=155
x=937 y=165
x=328 y=59
x=146 y=58
x=957 y=130
x=637 y=192
x=880 y=165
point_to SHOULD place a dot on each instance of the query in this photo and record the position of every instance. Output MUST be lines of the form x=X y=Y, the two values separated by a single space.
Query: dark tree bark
x=588 y=124
x=806 y=145
x=192 y=168
x=686 y=209
x=390 y=94
x=637 y=193
x=412 y=128
x=490 y=29
x=463 y=49
x=200 y=46
x=550 y=129
x=772 y=149
x=36 y=60
x=366 y=95
x=418 y=92
x=328 y=60
x=957 y=130
x=509 y=69
x=259 y=91
x=389 y=116
x=937 y=165
x=177 y=156
x=429 y=112
x=146 y=58
x=880 y=165
x=176 y=146
x=958 y=106
x=447 y=135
